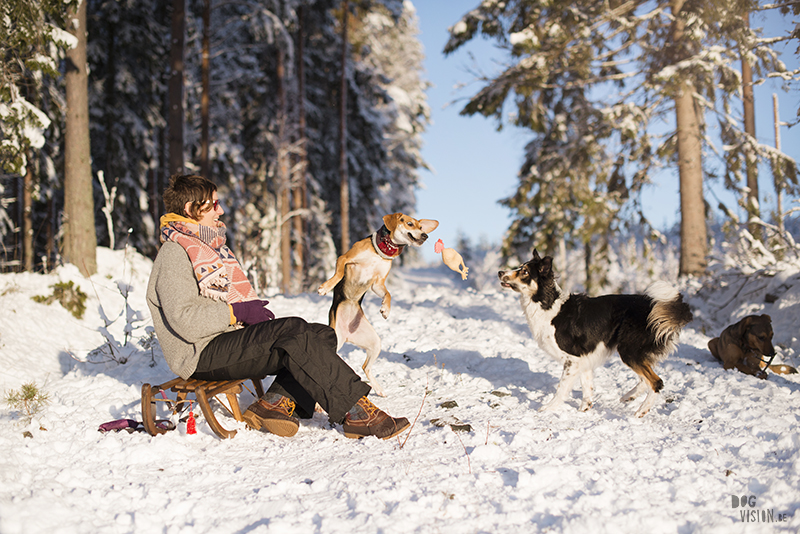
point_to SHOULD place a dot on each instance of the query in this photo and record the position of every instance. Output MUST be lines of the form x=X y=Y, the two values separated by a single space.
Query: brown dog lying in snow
x=744 y=345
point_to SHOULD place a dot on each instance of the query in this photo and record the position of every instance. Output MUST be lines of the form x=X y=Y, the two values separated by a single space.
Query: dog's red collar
x=384 y=246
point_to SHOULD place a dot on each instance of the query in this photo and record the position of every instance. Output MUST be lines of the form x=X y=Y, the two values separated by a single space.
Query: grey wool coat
x=184 y=321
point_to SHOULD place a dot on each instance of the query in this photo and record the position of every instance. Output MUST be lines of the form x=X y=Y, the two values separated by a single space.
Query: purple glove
x=252 y=312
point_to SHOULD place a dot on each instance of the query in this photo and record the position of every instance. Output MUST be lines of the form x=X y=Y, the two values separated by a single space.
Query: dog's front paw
x=323 y=290
x=385 y=311
x=586 y=405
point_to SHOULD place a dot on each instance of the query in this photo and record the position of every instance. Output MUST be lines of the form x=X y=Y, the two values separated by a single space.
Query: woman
x=212 y=326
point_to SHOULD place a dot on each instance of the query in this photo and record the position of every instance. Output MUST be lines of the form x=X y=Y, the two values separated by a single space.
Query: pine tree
x=583 y=73
x=32 y=42
x=177 y=110
x=242 y=119
x=572 y=183
x=370 y=110
x=396 y=57
x=128 y=50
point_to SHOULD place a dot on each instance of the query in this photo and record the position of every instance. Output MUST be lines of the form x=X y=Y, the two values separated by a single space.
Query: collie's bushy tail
x=668 y=315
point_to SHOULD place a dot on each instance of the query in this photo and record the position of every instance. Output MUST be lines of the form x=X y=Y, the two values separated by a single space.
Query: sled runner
x=203 y=391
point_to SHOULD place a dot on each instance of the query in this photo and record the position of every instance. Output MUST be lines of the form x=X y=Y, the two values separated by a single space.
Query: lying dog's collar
x=384 y=245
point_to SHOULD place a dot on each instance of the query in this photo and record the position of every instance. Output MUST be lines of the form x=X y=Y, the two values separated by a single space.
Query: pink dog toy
x=451 y=258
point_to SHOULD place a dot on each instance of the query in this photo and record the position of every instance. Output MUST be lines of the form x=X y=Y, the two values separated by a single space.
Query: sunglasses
x=215 y=202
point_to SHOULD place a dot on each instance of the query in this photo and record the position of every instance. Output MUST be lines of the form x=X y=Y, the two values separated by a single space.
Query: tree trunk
x=299 y=196
x=204 y=99
x=175 y=115
x=587 y=267
x=283 y=178
x=344 y=182
x=690 y=168
x=110 y=156
x=155 y=195
x=748 y=100
x=50 y=254
x=777 y=174
x=13 y=257
x=27 y=217
x=163 y=161
x=80 y=240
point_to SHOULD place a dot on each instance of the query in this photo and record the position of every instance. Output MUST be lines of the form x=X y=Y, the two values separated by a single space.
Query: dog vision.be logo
x=746 y=505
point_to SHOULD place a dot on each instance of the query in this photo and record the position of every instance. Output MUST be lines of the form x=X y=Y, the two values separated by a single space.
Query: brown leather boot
x=273 y=413
x=365 y=419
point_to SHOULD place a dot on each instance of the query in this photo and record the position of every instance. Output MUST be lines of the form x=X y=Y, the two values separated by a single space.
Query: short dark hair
x=185 y=188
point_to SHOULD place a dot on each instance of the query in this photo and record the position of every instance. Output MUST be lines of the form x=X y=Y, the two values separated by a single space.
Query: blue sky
x=474 y=166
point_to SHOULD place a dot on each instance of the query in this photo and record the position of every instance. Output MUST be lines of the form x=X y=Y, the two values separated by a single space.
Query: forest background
x=309 y=115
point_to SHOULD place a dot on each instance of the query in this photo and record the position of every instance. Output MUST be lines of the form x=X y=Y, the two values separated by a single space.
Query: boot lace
x=285 y=404
x=288 y=405
x=369 y=409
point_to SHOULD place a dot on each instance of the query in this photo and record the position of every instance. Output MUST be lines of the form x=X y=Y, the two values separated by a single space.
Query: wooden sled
x=203 y=391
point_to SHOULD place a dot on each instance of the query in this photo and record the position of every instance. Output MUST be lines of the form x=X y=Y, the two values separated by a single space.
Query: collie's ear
x=428 y=225
x=390 y=221
x=536 y=254
x=546 y=265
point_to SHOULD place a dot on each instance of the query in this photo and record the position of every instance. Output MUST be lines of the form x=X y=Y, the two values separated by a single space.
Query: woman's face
x=211 y=217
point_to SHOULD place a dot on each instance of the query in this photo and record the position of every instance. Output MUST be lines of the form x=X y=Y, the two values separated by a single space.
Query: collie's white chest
x=540 y=322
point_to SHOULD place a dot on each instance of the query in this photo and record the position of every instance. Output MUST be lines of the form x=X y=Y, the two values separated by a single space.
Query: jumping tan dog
x=742 y=345
x=365 y=266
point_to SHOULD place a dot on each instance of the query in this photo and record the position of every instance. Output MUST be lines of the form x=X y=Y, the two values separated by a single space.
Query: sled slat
x=203 y=391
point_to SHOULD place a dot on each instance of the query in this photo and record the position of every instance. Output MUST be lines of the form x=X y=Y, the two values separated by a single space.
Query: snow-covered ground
x=452 y=355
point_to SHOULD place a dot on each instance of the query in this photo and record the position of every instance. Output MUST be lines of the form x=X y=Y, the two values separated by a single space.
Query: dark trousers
x=301 y=355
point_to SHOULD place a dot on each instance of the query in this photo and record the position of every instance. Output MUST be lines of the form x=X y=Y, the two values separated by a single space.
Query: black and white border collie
x=583 y=332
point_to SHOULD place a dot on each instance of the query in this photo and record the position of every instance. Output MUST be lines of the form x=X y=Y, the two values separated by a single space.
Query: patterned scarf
x=216 y=269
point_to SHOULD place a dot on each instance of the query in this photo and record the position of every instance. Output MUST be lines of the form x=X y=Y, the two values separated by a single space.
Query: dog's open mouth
x=503 y=281
x=417 y=240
